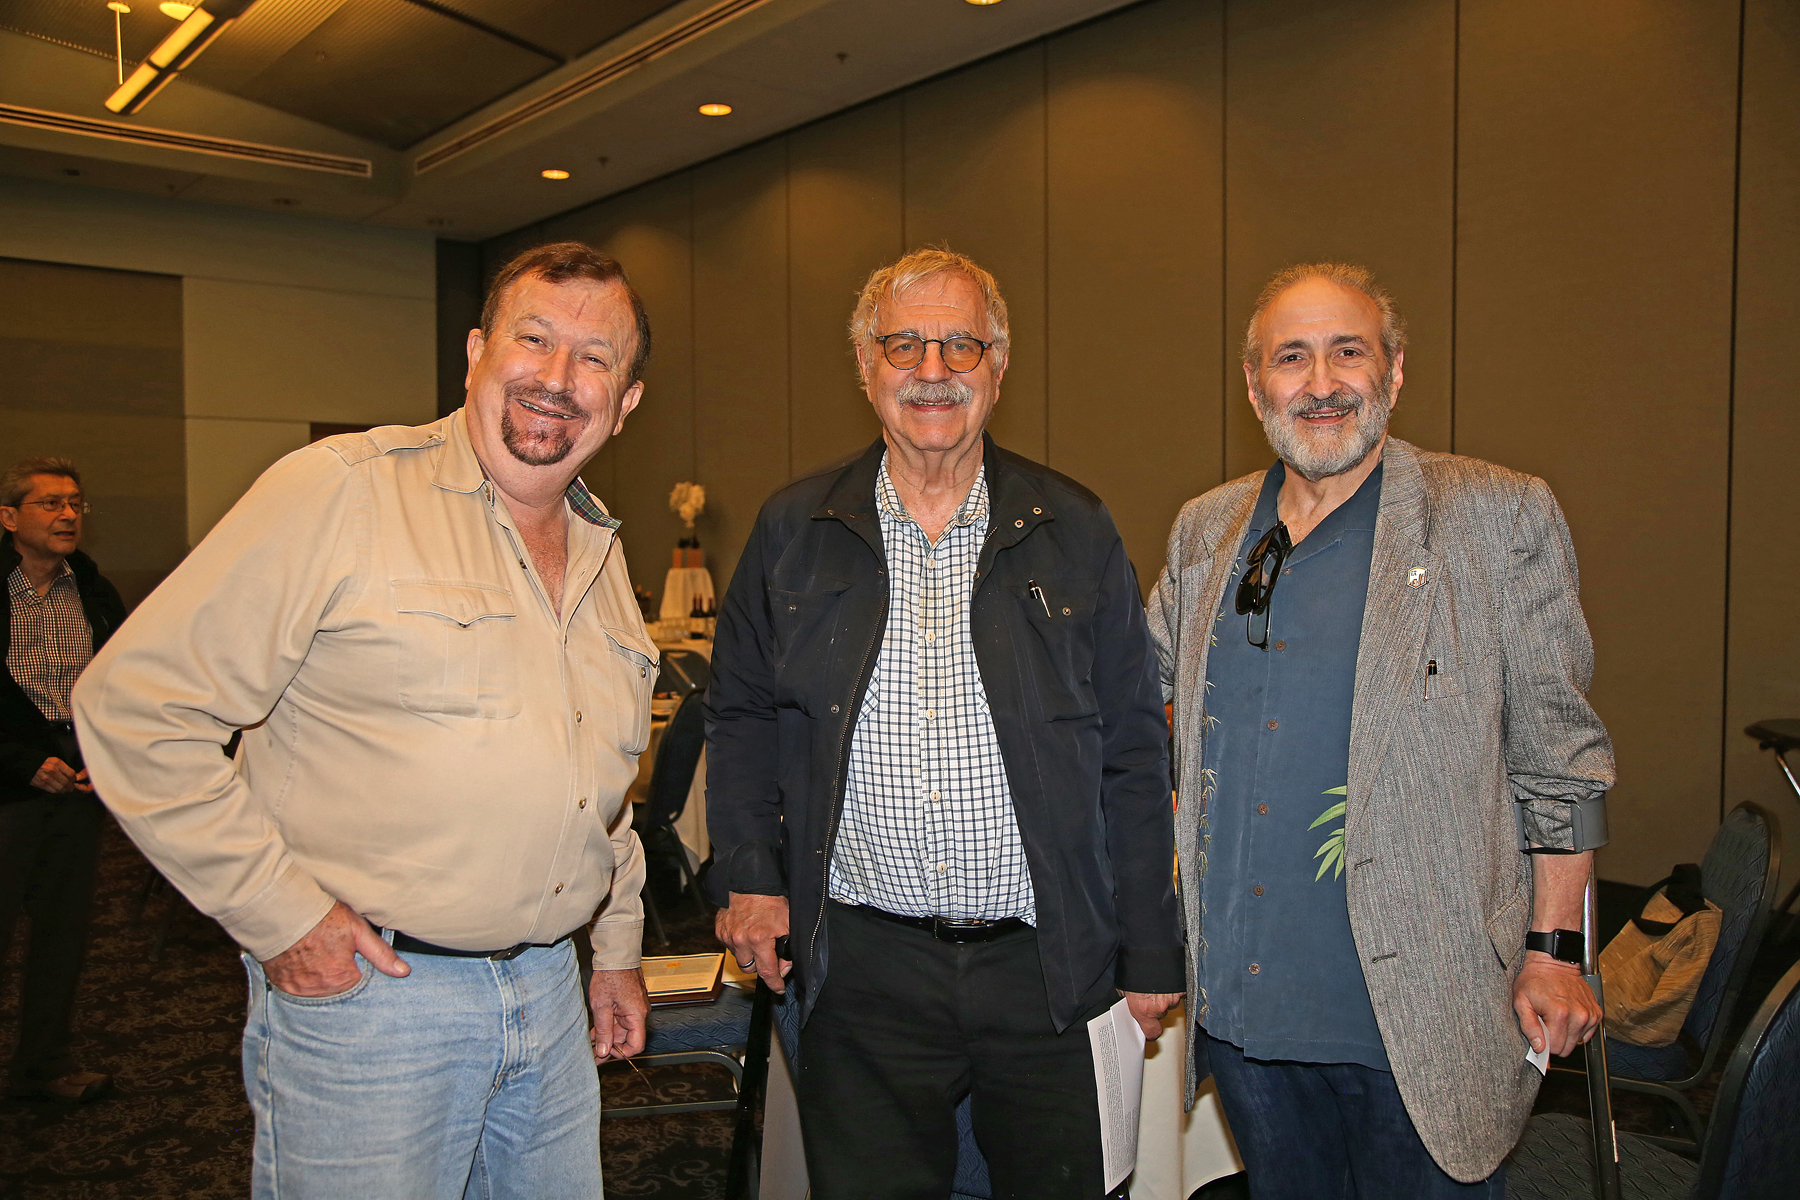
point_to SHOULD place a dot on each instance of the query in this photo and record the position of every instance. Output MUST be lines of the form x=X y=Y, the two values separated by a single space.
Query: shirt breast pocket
x=631 y=702
x=454 y=646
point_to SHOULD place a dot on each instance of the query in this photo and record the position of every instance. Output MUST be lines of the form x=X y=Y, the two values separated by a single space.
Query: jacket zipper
x=843 y=775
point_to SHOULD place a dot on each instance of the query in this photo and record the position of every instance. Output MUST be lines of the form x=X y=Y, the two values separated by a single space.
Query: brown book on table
x=677 y=979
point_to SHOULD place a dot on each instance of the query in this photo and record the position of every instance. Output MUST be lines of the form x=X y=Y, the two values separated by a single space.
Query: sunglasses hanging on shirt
x=1261 y=569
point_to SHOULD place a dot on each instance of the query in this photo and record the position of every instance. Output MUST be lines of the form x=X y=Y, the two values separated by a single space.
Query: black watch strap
x=1565 y=945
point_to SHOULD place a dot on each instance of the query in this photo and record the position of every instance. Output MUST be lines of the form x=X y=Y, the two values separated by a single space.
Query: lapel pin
x=1415 y=577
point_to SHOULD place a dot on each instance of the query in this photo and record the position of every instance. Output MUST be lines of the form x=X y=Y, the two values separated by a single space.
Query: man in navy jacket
x=56 y=609
x=937 y=763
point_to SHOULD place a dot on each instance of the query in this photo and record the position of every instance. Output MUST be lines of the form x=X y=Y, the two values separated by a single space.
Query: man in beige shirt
x=429 y=640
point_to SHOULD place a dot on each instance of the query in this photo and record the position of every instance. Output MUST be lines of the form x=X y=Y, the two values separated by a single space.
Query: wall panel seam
x=1737 y=217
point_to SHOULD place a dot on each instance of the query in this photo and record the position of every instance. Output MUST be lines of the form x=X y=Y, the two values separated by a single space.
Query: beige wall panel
x=844 y=181
x=224 y=457
x=650 y=231
x=1595 y=240
x=176 y=237
x=1134 y=235
x=1340 y=136
x=740 y=344
x=975 y=181
x=1764 y=662
x=257 y=350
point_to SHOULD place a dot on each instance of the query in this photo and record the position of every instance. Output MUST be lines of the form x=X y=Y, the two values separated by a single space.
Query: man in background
x=937 y=760
x=430 y=642
x=58 y=611
x=1379 y=667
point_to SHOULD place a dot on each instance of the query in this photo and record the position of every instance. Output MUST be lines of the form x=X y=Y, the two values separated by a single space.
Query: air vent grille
x=170 y=139
x=581 y=85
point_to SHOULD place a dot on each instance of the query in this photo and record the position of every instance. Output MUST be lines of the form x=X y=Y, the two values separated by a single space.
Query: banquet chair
x=1739 y=875
x=671 y=776
x=683 y=672
x=1749 y=1151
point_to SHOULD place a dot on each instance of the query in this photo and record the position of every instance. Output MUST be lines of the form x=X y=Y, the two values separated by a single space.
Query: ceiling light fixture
x=119 y=10
x=173 y=54
x=981 y=3
x=179 y=12
x=715 y=110
x=554 y=173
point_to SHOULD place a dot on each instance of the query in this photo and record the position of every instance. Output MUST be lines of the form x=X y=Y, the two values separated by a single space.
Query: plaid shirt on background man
x=51 y=641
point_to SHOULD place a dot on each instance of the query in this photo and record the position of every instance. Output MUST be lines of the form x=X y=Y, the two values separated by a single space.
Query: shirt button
x=931 y=637
x=1257 y=890
x=931 y=714
x=940 y=868
x=643 y=672
x=1262 y=810
x=1274 y=724
x=1256 y=968
x=581 y=803
x=578 y=718
x=559 y=889
x=1281 y=645
x=931 y=562
x=935 y=794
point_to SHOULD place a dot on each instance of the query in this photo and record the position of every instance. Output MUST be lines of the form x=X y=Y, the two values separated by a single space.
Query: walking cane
x=738 y=1183
x=1606 y=1137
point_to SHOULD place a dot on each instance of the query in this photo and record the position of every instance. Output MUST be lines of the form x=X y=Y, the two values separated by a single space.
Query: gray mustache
x=918 y=392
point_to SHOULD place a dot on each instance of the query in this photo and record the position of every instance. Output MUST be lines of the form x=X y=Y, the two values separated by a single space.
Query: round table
x=682 y=587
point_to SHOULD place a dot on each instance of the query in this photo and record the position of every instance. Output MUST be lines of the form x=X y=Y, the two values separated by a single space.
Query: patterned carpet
x=177 y=1126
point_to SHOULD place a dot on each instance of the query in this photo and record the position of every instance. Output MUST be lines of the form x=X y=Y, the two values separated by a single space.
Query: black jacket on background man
x=26 y=737
x=1071 y=681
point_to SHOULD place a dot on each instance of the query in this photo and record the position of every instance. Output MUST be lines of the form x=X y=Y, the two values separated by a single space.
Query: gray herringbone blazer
x=1472 y=567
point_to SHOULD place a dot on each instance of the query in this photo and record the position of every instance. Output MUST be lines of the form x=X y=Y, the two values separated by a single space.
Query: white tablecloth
x=681 y=587
x=1177 y=1151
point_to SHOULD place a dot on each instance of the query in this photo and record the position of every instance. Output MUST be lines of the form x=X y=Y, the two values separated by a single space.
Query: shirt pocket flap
x=464 y=603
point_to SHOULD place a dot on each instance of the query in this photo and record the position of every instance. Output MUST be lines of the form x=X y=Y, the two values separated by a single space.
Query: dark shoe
x=77 y=1087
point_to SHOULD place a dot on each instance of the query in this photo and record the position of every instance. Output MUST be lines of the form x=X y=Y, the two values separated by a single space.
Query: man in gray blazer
x=1379 y=668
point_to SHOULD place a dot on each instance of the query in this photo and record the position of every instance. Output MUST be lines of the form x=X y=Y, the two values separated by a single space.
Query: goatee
x=533 y=448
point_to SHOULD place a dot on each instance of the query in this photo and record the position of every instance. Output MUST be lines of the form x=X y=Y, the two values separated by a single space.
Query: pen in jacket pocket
x=1035 y=590
x=1430 y=670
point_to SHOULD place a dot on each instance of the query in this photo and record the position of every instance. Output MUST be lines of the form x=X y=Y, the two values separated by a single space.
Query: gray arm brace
x=1562 y=826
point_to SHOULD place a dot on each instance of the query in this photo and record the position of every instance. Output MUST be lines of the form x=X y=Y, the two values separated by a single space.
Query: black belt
x=407 y=944
x=948 y=929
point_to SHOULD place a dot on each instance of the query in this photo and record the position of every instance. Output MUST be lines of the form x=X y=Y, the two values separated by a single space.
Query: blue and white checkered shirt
x=928 y=827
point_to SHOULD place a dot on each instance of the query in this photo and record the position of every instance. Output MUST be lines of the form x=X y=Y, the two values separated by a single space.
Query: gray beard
x=533 y=449
x=1314 y=462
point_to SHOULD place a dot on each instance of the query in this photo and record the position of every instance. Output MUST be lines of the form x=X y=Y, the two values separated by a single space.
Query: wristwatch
x=1565 y=945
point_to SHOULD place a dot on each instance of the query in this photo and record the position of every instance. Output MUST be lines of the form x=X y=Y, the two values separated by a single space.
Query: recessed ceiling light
x=179 y=12
x=715 y=110
x=982 y=3
x=553 y=173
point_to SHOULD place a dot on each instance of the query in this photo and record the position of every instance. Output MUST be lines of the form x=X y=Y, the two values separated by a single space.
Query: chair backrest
x=1739 y=875
x=1751 y=1151
x=683 y=671
x=676 y=757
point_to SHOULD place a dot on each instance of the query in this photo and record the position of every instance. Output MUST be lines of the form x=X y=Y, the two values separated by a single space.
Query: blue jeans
x=468 y=1079
x=1324 y=1131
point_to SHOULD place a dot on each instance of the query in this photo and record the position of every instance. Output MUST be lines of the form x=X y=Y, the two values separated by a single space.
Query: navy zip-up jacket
x=1075 y=697
x=26 y=739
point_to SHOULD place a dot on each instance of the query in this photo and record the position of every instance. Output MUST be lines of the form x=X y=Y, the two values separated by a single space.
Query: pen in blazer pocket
x=1430 y=670
x=1035 y=590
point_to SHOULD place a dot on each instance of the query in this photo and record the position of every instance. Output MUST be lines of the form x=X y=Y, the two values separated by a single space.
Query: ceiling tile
x=392 y=72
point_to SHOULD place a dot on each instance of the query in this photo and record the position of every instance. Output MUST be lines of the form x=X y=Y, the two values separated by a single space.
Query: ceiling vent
x=170 y=139
x=587 y=81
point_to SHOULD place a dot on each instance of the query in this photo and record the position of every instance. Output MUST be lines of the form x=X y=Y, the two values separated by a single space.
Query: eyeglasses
x=1261 y=569
x=904 y=351
x=53 y=505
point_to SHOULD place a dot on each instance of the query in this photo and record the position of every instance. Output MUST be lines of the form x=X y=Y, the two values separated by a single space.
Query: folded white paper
x=1118 y=1046
x=1539 y=1058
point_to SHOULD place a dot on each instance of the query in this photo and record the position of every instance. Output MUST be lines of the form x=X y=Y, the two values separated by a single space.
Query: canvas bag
x=1652 y=969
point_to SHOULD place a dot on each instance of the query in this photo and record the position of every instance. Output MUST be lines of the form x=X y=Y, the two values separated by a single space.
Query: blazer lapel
x=1214 y=574
x=1404 y=577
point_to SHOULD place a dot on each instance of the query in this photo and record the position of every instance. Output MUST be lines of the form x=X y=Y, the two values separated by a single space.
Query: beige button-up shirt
x=424 y=738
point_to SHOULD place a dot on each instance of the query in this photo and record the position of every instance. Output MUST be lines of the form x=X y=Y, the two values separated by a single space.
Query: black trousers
x=48 y=850
x=905 y=1027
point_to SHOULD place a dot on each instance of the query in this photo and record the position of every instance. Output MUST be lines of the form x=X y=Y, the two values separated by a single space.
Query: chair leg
x=693 y=880
x=650 y=910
